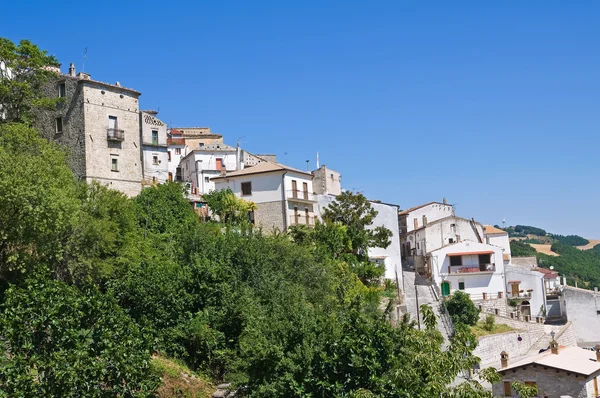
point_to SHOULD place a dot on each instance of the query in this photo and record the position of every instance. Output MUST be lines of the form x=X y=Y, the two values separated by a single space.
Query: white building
x=536 y=290
x=583 y=311
x=497 y=237
x=155 y=157
x=283 y=195
x=387 y=216
x=202 y=164
x=473 y=267
x=176 y=149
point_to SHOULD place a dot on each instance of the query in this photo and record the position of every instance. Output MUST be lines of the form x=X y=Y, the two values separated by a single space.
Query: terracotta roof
x=262 y=167
x=570 y=359
x=490 y=230
x=548 y=273
x=418 y=207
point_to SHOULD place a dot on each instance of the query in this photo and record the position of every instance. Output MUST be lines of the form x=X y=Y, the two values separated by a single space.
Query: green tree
x=60 y=342
x=356 y=213
x=227 y=207
x=38 y=201
x=461 y=309
x=525 y=390
x=27 y=69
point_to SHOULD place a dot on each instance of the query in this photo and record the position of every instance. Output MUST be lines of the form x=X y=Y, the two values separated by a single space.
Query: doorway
x=445 y=289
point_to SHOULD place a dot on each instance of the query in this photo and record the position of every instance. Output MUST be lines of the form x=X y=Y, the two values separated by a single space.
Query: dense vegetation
x=92 y=283
x=524 y=230
x=461 y=309
x=570 y=240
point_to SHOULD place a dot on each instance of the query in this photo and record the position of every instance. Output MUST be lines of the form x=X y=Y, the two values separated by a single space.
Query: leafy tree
x=571 y=240
x=227 y=207
x=525 y=390
x=60 y=342
x=38 y=201
x=27 y=69
x=461 y=309
x=520 y=249
x=355 y=212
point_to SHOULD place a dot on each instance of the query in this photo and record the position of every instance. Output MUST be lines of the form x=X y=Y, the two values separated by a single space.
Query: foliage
x=61 y=342
x=481 y=329
x=571 y=240
x=38 y=201
x=229 y=208
x=520 y=249
x=355 y=212
x=525 y=390
x=529 y=230
x=461 y=309
x=532 y=241
x=178 y=381
x=489 y=323
x=28 y=68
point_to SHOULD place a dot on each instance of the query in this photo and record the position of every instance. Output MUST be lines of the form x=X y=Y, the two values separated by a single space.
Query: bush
x=461 y=309
x=489 y=323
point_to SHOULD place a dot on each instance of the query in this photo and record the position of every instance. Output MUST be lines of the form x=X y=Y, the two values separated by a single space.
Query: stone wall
x=566 y=336
x=551 y=382
x=270 y=216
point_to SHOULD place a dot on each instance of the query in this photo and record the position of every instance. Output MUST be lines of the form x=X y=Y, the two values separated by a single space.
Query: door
x=305 y=189
x=514 y=287
x=294 y=189
x=296 y=216
x=219 y=164
x=445 y=289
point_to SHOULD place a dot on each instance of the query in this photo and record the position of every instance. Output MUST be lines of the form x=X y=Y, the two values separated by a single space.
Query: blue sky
x=494 y=105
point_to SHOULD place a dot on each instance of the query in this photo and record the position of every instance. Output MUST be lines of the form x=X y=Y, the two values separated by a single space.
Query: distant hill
x=573 y=256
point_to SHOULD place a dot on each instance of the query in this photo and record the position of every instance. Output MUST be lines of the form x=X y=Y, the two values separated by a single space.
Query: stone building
x=100 y=124
x=199 y=136
x=327 y=181
x=558 y=372
x=155 y=157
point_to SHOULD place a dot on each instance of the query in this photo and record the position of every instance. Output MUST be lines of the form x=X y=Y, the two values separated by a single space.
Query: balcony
x=115 y=135
x=478 y=269
x=175 y=141
x=154 y=143
x=302 y=219
x=297 y=195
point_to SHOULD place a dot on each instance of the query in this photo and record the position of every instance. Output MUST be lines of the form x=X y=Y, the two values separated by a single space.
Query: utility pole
x=418 y=314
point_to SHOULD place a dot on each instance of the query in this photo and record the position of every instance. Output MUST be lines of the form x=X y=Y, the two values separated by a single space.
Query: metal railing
x=302 y=219
x=300 y=195
x=115 y=135
x=459 y=269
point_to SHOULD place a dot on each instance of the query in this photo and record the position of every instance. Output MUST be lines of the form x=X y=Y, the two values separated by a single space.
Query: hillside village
x=433 y=254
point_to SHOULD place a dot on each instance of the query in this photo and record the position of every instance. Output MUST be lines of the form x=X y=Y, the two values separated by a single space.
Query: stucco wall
x=528 y=280
x=387 y=217
x=159 y=170
x=582 y=308
x=327 y=181
x=266 y=187
x=433 y=212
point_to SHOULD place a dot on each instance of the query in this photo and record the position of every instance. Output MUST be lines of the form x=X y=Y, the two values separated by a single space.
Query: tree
x=525 y=390
x=27 y=69
x=38 y=201
x=229 y=208
x=355 y=212
x=461 y=309
x=60 y=342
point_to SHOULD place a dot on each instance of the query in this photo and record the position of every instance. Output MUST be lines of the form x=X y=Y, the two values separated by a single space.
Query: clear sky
x=494 y=105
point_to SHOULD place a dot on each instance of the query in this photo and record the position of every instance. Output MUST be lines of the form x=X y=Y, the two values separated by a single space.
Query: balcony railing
x=302 y=219
x=296 y=194
x=459 y=269
x=115 y=135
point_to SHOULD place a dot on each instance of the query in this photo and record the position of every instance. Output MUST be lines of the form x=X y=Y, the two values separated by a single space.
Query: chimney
x=503 y=359
x=554 y=347
x=72 y=69
x=445 y=202
x=597 y=349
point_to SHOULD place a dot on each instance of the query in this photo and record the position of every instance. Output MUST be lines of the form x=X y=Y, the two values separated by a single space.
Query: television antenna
x=84 y=58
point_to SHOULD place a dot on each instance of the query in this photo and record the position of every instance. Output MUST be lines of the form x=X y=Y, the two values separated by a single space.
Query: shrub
x=461 y=309
x=489 y=323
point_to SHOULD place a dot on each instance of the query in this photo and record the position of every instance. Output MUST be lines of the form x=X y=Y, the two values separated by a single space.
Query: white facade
x=177 y=149
x=471 y=276
x=202 y=164
x=583 y=311
x=497 y=237
x=387 y=216
x=155 y=157
x=419 y=216
x=284 y=196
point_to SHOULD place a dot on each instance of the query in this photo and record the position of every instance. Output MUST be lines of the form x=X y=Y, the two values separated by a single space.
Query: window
x=485 y=259
x=246 y=188
x=112 y=122
x=114 y=164
x=62 y=91
x=154 y=159
x=154 y=137
x=455 y=261
x=461 y=285
x=169 y=153
x=450 y=240
x=59 y=125
x=220 y=164
x=201 y=144
x=206 y=179
x=507 y=389
x=177 y=151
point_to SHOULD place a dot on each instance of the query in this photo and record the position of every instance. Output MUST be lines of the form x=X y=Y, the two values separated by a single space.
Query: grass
x=480 y=330
x=179 y=381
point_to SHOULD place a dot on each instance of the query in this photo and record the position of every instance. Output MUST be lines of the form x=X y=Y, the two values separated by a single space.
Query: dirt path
x=593 y=242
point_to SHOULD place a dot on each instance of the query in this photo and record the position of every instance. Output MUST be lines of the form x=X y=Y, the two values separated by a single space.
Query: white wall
x=200 y=164
x=387 y=216
x=266 y=187
x=500 y=240
x=582 y=308
x=151 y=170
x=433 y=212
x=529 y=279
x=475 y=283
